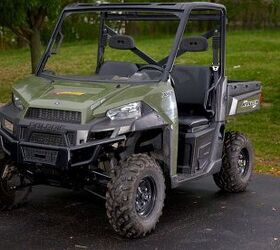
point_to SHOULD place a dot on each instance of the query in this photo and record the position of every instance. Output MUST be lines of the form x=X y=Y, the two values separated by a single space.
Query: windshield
x=112 y=46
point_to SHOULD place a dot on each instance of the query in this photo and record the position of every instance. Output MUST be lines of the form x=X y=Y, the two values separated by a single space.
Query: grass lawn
x=253 y=55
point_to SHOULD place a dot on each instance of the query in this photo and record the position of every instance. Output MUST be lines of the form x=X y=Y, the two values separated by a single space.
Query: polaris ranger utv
x=129 y=131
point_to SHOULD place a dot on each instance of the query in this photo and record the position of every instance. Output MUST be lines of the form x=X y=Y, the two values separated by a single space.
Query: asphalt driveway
x=196 y=216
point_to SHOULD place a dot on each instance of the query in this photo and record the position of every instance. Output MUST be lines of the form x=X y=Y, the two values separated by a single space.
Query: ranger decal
x=252 y=104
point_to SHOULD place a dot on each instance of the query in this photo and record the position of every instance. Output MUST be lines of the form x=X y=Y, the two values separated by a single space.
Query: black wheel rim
x=243 y=162
x=145 y=197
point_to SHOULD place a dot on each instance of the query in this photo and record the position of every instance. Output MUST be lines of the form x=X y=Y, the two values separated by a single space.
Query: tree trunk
x=35 y=48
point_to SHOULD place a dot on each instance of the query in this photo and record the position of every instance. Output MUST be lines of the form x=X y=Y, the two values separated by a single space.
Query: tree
x=26 y=18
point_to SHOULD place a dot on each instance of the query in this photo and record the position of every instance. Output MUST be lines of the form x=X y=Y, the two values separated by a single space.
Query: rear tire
x=238 y=163
x=135 y=196
x=10 y=198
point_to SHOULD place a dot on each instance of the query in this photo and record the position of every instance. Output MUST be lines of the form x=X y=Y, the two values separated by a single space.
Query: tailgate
x=243 y=97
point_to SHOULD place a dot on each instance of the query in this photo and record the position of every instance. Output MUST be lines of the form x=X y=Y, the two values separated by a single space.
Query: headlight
x=128 y=111
x=17 y=102
x=8 y=126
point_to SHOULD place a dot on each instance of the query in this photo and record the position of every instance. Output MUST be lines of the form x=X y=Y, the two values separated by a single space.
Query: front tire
x=9 y=178
x=135 y=196
x=238 y=163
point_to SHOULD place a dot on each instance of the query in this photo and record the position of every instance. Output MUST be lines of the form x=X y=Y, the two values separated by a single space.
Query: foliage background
x=242 y=15
x=252 y=53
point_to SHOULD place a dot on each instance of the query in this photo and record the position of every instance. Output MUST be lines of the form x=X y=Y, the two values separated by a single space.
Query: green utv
x=129 y=125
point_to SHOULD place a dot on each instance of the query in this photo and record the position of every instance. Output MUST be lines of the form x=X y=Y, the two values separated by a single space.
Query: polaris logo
x=46 y=127
x=250 y=104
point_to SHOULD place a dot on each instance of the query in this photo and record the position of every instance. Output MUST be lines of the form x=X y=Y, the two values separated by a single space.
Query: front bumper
x=64 y=145
x=59 y=151
x=60 y=157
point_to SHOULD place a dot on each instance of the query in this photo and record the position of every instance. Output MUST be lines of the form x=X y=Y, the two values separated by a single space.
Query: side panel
x=243 y=97
x=195 y=149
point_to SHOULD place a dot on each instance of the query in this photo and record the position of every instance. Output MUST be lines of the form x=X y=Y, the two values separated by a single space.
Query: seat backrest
x=191 y=84
x=114 y=68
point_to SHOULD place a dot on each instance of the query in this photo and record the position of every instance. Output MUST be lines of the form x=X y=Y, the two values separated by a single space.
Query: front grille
x=54 y=115
x=48 y=139
x=36 y=155
x=71 y=138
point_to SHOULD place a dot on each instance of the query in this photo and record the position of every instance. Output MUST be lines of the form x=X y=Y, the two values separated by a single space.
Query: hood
x=83 y=97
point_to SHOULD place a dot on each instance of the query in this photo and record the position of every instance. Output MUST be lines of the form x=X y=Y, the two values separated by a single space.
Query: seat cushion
x=193 y=121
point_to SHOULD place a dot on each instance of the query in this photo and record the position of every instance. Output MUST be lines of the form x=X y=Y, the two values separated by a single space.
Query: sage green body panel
x=93 y=100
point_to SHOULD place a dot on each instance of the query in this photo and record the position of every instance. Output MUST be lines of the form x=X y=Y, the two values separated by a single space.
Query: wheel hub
x=243 y=162
x=145 y=197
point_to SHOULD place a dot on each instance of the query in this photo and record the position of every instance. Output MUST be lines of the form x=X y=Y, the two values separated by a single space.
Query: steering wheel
x=151 y=66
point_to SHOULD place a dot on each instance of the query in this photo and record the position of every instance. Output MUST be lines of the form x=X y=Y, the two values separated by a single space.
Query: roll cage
x=184 y=12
